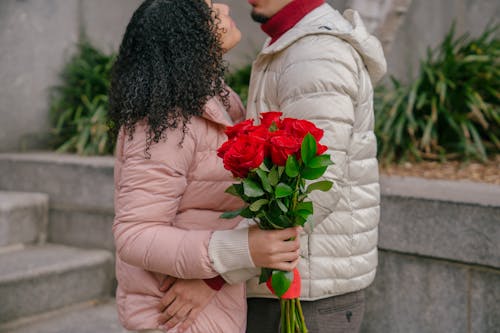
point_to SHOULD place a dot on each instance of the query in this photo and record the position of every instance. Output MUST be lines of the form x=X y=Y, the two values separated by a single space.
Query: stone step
x=80 y=189
x=23 y=217
x=88 y=317
x=38 y=279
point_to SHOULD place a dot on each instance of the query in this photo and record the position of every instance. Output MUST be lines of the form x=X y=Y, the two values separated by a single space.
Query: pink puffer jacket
x=166 y=209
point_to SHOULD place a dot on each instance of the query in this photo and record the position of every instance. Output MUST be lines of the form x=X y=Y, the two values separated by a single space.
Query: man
x=320 y=66
x=316 y=65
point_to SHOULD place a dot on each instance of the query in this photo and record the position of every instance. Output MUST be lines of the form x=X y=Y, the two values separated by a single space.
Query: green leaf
x=324 y=185
x=265 y=274
x=303 y=214
x=247 y=213
x=284 y=221
x=311 y=174
x=252 y=189
x=263 y=167
x=232 y=214
x=281 y=169
x=265 y=181
x=282 y=206
x=307 y=206
x=308 y=148
x=254 y=207
x=282 y=190
x=271 y=221
x=273 y=176
x=281 y=282
x=292 y=167
x=232 y=190
x=320 y=161
x=300 y=220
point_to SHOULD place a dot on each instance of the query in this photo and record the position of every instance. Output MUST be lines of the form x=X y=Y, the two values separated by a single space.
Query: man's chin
x=259 y=18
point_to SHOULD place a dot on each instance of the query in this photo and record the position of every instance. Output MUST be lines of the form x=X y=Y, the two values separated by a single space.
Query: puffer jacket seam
x=344 y=257
x=345 y=234
x=347 y=278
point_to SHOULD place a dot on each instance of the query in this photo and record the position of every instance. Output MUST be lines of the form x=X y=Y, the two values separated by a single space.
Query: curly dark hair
x=169 y=65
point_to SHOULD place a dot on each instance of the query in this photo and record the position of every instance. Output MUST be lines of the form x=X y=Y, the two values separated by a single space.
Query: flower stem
x=283 y=316
x=288 y=319
x=301 y=315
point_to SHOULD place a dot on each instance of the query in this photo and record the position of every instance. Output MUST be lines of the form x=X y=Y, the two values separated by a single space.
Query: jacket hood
x=349 y=27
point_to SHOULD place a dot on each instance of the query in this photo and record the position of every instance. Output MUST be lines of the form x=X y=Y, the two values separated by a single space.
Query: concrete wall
x=33 y=46
x=38 y=36
x=439 y=258
x=36 y=39
x=426 y=24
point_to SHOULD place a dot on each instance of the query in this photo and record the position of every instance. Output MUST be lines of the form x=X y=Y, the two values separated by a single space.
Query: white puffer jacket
x=323 y=70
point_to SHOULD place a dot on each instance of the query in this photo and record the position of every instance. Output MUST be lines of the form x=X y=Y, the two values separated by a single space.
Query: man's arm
x=323 y=90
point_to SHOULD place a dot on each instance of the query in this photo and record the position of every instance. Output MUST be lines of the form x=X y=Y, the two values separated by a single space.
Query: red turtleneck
x=289 y=16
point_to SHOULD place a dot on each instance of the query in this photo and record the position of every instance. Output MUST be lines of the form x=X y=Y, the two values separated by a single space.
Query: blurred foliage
x=79 y=104
x=451 y=109
x=239 y=81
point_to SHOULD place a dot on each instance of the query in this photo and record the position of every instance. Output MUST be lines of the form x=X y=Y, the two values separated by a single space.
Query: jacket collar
x=289 y=16
x=216 y=112
x=348 y=27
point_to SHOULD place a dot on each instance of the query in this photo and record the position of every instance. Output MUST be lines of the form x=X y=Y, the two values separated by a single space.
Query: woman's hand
x=183 y=301
x=273 y=248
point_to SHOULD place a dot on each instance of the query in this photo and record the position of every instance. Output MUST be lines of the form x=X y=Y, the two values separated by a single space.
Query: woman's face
x=230 y=34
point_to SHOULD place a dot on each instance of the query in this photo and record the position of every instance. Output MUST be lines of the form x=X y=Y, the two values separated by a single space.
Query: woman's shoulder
x=176 y=141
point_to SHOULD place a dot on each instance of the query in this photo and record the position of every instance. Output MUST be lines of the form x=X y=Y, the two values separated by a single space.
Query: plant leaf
x=320 y=161
x=254 y=207
x=292 y=167
x=252 y=189
x=232 y=214
x=282 y=206
x=264 y=180
x=282 y=190
x=311 y=174
x=232 y=190
x=265 y=274
x=306 y=205
x=308 y=148
x=281 y=282
x=324 y=185
x=273 y=176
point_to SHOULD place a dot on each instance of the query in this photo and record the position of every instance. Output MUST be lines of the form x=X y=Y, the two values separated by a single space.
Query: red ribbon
x=294 y=289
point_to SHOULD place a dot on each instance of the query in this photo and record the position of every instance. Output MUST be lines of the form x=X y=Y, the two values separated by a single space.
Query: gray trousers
x=338 y=314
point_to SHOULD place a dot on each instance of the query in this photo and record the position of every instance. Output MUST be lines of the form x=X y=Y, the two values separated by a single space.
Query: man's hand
x=273 y=248
x=183 y=301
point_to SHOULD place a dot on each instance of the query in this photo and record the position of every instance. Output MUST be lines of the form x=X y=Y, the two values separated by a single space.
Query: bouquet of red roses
x=273 y=161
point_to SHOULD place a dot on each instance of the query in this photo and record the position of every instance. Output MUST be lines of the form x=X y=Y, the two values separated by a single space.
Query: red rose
x=267 y=118
x=283 y=145
x=300 y=127
x=320 y=149
x=225 y=147
x=245 y=153
x=241 y=128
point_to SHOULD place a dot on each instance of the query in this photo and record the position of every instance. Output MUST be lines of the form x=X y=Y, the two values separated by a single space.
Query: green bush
x=451 y=110
x=79 y=104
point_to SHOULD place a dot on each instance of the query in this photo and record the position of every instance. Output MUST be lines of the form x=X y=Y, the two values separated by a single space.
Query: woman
x=170 y=106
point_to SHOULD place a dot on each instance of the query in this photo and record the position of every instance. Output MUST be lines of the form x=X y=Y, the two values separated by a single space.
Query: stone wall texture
x=439 y=263
x=38 y=36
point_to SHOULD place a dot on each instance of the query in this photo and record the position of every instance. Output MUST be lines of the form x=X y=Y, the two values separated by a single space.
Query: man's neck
x=288 y=17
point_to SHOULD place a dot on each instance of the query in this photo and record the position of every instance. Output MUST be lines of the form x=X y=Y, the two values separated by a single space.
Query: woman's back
x=180 y=187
